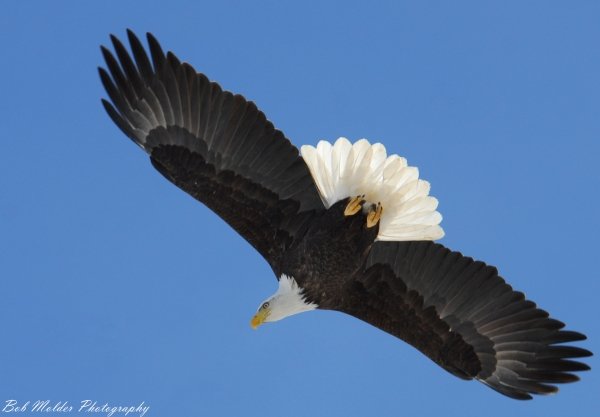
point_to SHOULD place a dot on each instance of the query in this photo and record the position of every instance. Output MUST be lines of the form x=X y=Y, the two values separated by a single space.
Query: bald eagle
x=344 y=226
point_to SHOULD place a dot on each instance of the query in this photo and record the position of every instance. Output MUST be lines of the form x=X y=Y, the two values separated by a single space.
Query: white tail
x=345 y=170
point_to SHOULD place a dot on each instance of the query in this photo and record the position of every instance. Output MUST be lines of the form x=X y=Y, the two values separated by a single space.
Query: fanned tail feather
x=345 y=170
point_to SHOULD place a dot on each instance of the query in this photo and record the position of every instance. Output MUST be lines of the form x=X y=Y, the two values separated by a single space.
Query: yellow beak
x=259 y=318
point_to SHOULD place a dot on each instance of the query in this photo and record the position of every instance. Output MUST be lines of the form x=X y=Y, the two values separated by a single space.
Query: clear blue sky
x=118 y=287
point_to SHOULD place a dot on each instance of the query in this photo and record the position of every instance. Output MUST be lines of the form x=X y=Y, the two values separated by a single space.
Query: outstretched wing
x=215 y=145
x=465 y=317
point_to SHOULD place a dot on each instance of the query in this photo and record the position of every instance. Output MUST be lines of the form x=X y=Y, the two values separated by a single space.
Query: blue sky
x=118 y=287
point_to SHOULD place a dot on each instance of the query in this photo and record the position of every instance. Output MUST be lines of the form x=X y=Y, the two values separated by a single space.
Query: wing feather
x=465 y=317
x=215 y=145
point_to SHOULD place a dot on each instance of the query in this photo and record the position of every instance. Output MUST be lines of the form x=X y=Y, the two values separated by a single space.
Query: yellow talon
x=354 y=205
x=374 y=215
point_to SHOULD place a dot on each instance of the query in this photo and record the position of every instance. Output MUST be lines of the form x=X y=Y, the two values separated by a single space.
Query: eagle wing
x=465 y=317
x=215 y=145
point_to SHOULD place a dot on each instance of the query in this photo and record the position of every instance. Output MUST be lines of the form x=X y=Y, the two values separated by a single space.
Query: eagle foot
x=354 y=205
x=374 y=215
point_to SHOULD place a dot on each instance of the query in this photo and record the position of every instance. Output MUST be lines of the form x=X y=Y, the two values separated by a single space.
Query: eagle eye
x=265 y=305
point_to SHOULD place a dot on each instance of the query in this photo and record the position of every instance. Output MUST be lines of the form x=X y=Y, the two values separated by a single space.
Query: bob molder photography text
x=13 y=406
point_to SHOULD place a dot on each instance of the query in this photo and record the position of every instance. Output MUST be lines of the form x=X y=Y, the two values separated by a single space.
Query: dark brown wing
x=213 y=144
x=465 y=317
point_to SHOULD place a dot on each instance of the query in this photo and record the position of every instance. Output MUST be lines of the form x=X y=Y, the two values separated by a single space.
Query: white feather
x=345 y=170
x=287 y=300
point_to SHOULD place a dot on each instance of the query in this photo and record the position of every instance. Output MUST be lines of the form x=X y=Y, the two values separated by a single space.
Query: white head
x=287 y=301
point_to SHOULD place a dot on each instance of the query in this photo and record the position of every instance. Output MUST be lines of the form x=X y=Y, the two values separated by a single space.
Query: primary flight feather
x=343 y=226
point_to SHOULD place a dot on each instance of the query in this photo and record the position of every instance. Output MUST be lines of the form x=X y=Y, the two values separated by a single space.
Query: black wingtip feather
x=563 y=365
x=173 y=60
x=106 y=54
x=118 y=76
x=558 y=351
x=111 y=89
x=156 y=52
x=510 y=392
x=128 y=66
x=140 y=56
x=118 y=120
x=565 y=336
